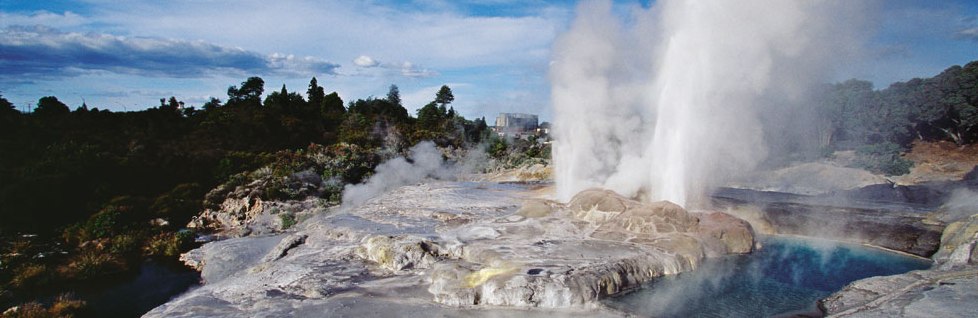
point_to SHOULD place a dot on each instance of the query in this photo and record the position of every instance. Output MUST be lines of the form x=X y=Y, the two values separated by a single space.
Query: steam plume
x=667 y=104
x=426 y=162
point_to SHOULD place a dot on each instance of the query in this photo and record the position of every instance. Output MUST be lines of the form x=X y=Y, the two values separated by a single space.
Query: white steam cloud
x=668 y=103
x=426 y=162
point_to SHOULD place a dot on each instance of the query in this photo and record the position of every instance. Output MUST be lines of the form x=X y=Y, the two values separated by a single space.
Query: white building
x=516 y=123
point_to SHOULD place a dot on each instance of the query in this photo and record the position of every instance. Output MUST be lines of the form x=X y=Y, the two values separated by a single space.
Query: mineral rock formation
x=958 y=244
x=450 y=248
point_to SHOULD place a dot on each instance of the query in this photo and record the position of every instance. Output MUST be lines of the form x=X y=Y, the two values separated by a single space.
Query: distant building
x=516 y=124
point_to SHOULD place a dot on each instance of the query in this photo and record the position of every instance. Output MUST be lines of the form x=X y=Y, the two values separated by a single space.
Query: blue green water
x=786 y=276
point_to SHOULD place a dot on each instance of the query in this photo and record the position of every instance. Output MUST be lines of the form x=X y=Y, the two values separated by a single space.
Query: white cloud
x=339 y=29
x=412 y=45
x=365 y=61
x=44 y=52
x=46 y=18
x=405 y=69
x=969 y=33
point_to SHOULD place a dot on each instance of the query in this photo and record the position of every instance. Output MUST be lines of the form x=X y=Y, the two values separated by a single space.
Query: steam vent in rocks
x=450 y=248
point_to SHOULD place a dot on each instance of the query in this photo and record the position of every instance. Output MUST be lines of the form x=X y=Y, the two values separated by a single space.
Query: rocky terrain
x=483 y=248
x=450 y=248
x=893 y=225
x=929 y=212
x=827 y=199
x=948 y=289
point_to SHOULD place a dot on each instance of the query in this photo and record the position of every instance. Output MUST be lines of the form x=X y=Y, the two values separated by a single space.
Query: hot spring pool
x=787 y=275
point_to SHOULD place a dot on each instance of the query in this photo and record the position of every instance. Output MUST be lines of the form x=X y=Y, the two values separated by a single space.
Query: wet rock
x=730 y=234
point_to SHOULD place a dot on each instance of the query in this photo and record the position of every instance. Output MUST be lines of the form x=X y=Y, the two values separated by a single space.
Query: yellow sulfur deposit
x=479 y=277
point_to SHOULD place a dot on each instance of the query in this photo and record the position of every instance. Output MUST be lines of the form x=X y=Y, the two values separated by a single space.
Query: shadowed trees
x=880 y=124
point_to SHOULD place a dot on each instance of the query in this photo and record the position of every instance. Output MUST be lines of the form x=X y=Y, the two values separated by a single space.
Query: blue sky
x=125 y=55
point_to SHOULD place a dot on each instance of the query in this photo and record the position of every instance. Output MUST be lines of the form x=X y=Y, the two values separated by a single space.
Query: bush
x=288 y=220
x=65 y=305
x=114 y=218
x=169 y=244
x=92 y=262
x=180 y=203
x=294 y=175
x=883 y=158
x=497 y=148
x=29 y=275
x=125 y=244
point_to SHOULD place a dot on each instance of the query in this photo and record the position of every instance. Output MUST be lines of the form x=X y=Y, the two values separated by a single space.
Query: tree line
x=57 y=166
x=881 y=124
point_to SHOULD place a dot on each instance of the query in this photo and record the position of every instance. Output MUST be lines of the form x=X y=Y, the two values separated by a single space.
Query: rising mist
x=681 y=96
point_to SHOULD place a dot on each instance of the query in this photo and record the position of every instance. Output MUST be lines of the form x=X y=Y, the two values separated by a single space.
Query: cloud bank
x=406 y=69
x=43 y=52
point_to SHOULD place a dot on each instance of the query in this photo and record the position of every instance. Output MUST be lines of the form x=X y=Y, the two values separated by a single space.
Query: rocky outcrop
x=456 y=246
x=894 y=225
x=958 y=244
x=811 y=178
x=948 y=289
x=535 y=170
x=239 y=210
x=928 y=293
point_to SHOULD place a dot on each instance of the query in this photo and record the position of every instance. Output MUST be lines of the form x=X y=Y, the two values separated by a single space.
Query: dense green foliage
x=517 y=152
x=115 y=187
x=880 y=124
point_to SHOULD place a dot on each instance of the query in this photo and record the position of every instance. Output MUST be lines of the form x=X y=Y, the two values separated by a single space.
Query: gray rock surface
x=810 y=178
x=457 y=248
x=928 y=293
x=958 y=244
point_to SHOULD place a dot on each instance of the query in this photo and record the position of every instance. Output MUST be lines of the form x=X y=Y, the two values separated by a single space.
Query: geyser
x=666 y=104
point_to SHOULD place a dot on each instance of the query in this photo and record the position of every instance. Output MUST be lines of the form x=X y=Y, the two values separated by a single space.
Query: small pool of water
x=786 y=276
x=154 y=285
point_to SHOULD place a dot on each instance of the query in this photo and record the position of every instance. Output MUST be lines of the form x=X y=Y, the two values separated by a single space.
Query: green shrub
x=125 y=244
x=92 y=262
x=288 y=220
x=883 y=158
x=497 y=148
x=65 y=305
x=180 y=203
x=168 y=244
x=29 y=275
